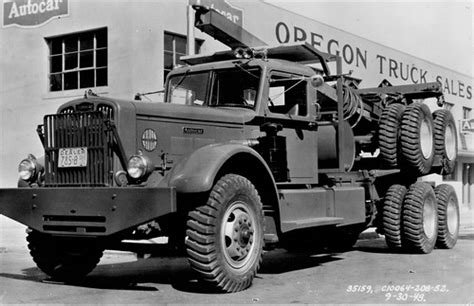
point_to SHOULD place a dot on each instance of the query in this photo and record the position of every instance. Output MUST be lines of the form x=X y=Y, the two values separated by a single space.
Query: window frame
x=286 y=74
x=466 y=112
x=197 y=48
x=77 y=69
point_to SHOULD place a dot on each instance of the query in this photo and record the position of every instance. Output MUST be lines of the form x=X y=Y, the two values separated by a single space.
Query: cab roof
x=303 y=54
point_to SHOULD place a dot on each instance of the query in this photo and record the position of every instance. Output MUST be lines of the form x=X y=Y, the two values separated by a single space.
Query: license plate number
x=72 y=157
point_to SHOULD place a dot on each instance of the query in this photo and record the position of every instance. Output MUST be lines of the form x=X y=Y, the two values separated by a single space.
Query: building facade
x=55 y=50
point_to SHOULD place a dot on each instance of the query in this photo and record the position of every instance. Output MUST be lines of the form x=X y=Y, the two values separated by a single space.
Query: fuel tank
x=328 y=150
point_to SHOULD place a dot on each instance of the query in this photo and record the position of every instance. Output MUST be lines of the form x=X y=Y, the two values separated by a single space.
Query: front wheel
x=224 y=238
x=61 y=258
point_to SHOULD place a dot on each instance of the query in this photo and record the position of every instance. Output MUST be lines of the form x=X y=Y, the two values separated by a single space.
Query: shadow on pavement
x=140 y=275
x=280 y=261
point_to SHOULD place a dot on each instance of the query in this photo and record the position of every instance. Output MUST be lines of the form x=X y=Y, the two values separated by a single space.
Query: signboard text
x=32 y=13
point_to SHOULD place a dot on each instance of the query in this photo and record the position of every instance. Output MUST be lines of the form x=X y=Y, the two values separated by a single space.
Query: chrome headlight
x=139 y=167
x=28 y=168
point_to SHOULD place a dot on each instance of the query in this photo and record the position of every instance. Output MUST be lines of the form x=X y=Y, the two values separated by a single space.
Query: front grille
x=78 y=130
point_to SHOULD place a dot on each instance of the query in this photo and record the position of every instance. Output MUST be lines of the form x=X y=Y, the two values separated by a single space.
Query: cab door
x=287 y=105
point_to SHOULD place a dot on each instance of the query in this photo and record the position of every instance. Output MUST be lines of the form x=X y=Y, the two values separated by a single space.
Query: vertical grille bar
x=77 y=130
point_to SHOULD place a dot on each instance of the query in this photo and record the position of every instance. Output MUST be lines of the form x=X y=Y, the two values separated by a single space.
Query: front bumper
x=86 y=211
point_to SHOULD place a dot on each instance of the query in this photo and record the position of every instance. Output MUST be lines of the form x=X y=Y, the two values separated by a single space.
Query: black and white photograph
x=236 y=152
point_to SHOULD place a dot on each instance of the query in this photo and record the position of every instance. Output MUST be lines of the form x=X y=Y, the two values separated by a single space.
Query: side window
x=287 y=95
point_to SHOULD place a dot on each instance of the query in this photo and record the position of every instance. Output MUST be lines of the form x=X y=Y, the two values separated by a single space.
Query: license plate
x=72 y=157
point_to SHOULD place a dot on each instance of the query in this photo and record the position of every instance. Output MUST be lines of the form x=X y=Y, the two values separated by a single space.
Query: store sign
x=372 y=60
x=467 y=126
x=227 y=10
x=32 y=13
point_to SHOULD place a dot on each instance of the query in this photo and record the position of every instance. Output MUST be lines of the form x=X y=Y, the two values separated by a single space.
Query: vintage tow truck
x=253 y=148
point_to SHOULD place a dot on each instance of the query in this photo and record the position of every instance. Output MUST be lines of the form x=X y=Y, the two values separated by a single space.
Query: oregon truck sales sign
x=32 y=13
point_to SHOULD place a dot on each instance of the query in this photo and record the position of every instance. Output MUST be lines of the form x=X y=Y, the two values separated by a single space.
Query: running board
x=299 y=224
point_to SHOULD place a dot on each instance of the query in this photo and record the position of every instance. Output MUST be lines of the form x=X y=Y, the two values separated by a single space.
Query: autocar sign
x=32 y=13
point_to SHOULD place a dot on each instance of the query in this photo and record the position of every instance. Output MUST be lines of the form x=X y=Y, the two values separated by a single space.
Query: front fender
x=197 y=171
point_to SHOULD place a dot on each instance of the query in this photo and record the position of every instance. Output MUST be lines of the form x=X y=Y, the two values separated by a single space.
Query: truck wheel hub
x=238 y=235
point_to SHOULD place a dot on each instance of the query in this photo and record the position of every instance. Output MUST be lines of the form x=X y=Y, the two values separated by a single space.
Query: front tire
x=63 y=259
x=448 y=216
x=420 y=218
x=225 y=237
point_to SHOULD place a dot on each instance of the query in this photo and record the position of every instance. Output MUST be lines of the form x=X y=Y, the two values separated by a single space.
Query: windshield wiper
x=139 y=95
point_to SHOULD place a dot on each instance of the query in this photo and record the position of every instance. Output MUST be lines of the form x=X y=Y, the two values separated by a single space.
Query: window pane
x=55 y=82
x=101 y=58
x=180 y=44
x=74 y=52
x=56 y=46
x=71 y=43
x=70 y=80
x=188 y=89
x=101 y=77
x=87 y=41
x=56 y=63
x=168 y=60
x=197 y=46
x=101 y=38
x=168 y=42
x=70 y=61
x=178 y=61
x=87 y=59
x=87 y=78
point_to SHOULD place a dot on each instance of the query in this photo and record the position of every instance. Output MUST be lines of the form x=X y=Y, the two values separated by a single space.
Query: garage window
x=174 y=48
x=78 y=60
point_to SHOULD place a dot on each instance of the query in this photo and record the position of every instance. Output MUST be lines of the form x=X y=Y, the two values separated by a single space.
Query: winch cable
x=351 y=102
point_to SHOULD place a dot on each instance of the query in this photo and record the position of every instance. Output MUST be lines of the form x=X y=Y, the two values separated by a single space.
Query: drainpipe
x=190 y=46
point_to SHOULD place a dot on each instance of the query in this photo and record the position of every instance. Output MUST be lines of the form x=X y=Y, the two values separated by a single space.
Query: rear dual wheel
x=417 y=139
x=420 y=218
x=448 y=216
x=411 y=136
x=389 y=129
x=392 y=215
x=445 y=139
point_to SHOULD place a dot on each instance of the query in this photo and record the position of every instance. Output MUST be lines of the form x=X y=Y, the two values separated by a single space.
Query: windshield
x=236 y=87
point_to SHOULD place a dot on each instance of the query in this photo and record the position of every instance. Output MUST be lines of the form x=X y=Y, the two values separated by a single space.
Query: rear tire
x=446 y=145
x=420 y=218
x=448 y=216
x=392 y=215
x=63 y=259
x=388 y=134
x=417 y=139
x=225 y=237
